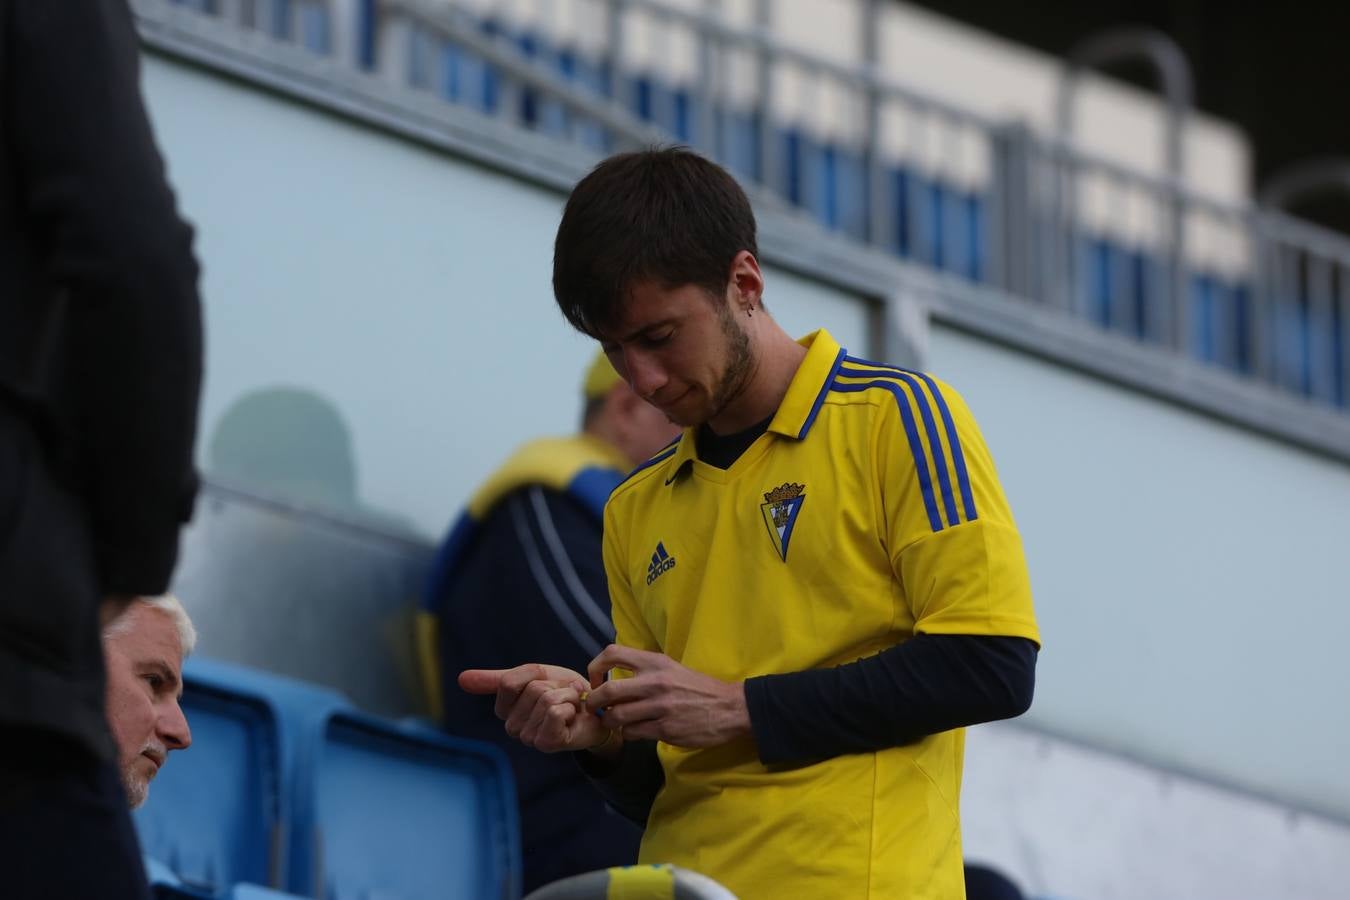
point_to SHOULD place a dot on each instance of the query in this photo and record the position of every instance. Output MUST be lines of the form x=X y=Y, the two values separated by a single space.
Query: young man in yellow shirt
x=814 y=590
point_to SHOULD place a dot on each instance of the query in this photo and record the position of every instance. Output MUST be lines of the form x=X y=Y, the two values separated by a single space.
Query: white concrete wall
x=1072 y=823
x=1190 y=577
x=409 y=290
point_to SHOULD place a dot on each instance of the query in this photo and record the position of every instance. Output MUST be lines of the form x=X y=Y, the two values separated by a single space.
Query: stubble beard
x=739 y=366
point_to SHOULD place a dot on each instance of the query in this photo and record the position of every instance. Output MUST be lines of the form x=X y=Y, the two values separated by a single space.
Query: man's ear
x=746 y=284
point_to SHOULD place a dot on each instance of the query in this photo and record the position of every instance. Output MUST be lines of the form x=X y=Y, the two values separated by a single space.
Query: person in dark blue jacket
x=519 y=576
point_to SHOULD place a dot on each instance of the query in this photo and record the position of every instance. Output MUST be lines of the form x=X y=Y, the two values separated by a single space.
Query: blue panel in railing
x=902 y=238
x=569 y=66
x=976 y=229
x=934 y=218
x=1328 y=353
x=1293 y=343
x=1116 y=283
x=823 y=171
x=1098 y=277
x=452 y=87
x=793 y=156
x=644 y=98
x=1243 y=322
x=465 y=76
x=1338 y=354
x=365 y=33
x=531 y=104
x=958 y=222
x=1143 y=274
x=529 y=107
x=851 y=194
x=739 y=145
x=280 y=24
x=315 y=28
x=682 y=112
x=1204 y=307
x=423 y=49
x=596 y=76
x=490 y=99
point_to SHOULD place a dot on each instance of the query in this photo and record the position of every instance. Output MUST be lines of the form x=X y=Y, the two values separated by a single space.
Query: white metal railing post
x=1174 y=73
x=393 y=43
x=877 y=226
x=344 y=17
x=614 y=36
x=768 y=151
x=230 y=11
x=707 y=133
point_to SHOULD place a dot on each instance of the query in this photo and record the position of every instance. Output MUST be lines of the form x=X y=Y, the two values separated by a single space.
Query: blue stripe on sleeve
x=958 y=457
x=944 y=480
x=915 y=445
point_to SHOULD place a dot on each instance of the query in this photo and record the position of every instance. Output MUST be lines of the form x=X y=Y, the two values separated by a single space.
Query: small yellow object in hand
x=598 y=712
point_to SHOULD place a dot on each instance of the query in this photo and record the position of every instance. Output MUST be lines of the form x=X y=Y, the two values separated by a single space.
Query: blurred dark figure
x=984 y=883
x=100 y=368
x=293 y=443
x=519 y=576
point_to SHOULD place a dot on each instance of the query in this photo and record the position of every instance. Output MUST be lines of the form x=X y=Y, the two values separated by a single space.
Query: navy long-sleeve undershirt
x=926 y=685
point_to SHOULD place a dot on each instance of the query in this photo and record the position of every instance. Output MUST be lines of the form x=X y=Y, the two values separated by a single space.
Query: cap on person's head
x=600 y=377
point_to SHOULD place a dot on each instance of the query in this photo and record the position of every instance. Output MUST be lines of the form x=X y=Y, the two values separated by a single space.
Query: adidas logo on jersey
x=661 y=563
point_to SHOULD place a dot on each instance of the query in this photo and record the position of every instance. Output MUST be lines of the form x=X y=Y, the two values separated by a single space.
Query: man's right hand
x=541 y=705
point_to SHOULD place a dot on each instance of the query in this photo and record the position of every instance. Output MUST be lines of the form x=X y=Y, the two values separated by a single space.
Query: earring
x=749 y=311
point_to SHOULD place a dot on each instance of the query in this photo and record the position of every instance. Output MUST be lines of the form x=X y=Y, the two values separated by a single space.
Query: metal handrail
x=1168 y=61
x=863 y=77
x=603 y=111
x=1305 y=178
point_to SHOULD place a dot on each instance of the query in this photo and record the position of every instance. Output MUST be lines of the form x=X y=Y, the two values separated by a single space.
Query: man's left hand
x=666 y=701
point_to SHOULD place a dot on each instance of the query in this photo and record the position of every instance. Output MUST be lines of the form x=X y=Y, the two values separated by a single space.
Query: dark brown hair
x=664 y=214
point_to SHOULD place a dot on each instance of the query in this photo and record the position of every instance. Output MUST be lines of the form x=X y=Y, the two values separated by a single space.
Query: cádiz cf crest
x=780 y=513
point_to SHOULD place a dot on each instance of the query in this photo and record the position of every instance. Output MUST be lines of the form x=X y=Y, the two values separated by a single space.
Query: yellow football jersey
x=868 y=512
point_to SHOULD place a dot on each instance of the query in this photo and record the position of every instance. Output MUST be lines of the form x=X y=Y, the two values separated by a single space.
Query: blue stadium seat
x=217 y=813
x=257 y=892
x=399 y=811
x=286 y=786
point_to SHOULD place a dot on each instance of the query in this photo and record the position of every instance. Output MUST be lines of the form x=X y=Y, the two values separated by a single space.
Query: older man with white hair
x=144 y=648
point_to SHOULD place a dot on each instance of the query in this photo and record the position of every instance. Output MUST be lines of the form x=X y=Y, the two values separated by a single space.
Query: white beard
x=138 y=788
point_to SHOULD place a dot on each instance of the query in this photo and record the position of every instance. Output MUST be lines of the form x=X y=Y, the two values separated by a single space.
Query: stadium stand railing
x=1246 y=290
